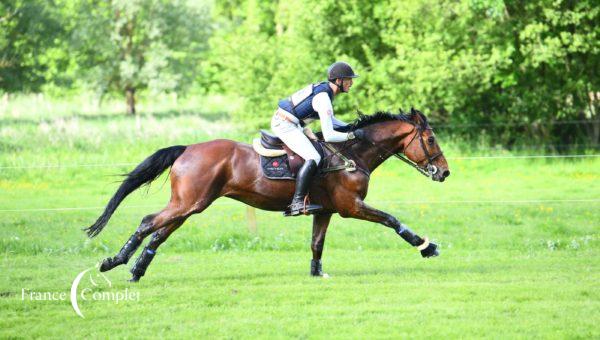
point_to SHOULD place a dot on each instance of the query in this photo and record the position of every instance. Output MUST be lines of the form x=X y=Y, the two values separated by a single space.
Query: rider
x=310 y=103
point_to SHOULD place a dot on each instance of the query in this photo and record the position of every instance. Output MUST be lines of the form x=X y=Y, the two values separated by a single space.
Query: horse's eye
x=431 y=140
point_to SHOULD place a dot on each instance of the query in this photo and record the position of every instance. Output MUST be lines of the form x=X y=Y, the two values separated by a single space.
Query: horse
x=201 y=173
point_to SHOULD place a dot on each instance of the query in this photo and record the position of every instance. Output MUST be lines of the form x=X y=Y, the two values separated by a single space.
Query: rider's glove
x=358 y=134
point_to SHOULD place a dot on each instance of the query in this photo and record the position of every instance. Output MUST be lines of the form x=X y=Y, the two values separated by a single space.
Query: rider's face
x=346 y=83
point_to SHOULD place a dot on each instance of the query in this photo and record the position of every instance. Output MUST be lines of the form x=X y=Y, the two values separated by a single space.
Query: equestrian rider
x=306 y=105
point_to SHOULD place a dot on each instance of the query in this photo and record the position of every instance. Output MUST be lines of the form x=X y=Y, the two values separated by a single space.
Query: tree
x=126 y=46
x=559 y=46
x=30 y=32
x=518 y=63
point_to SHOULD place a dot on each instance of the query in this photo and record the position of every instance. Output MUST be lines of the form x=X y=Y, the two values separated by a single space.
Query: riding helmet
x=340 y=69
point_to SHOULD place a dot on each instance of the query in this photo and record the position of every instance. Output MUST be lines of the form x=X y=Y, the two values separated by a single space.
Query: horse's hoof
x=321 y=275
x=107 y=264
x=135 y=278
x=430 y=251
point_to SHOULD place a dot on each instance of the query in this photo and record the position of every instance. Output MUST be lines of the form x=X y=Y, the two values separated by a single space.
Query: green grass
x=383 y=294
x=517 y=270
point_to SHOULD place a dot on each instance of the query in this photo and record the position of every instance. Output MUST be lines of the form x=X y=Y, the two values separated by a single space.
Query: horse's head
x=421 y=147
x=407 y=133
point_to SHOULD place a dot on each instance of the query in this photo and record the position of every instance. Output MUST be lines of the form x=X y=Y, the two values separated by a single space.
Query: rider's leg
x=303 y=178
x=293 y=136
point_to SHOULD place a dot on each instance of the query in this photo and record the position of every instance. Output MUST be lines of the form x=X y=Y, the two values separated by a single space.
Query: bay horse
x=201 y=173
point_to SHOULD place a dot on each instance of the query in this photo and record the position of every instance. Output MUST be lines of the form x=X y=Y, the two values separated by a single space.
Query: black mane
x=383 y=116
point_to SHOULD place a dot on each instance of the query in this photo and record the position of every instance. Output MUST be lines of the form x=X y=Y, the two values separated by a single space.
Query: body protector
x=300 y=105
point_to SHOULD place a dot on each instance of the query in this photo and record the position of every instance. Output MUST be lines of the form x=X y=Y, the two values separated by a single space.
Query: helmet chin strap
x=340 y=87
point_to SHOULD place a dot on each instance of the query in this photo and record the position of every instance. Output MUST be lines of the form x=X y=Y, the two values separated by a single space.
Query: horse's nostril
x=446 y=173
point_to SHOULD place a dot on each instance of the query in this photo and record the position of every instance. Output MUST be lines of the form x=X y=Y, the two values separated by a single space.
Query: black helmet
x=340 y=69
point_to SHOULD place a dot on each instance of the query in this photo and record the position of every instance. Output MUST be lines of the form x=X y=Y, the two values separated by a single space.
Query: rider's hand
x=358 y=134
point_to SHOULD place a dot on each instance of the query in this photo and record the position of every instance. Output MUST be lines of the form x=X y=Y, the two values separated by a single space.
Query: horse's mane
x=383 y=116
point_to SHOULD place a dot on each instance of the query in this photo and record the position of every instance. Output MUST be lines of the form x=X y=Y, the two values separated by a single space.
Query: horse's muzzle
x=440 y=175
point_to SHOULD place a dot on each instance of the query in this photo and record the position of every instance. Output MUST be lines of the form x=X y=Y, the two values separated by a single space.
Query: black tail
x=144 y=173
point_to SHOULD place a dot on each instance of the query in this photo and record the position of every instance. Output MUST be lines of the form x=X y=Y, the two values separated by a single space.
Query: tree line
x=519 y=63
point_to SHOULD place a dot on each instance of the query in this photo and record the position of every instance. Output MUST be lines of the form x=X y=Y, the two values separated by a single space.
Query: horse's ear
x=421 y=119
x=417 y=117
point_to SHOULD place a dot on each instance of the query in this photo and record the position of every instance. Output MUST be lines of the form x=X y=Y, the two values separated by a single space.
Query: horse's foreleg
x=320 y=224
x=362 y=211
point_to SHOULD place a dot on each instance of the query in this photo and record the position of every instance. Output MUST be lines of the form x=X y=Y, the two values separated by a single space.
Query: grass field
x=508 y=268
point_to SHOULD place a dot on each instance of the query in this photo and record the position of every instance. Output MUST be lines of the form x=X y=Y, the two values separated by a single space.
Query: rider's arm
x=337 y=123
x=322 y=105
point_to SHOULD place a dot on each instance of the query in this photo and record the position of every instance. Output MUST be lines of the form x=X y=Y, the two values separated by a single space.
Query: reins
x=350 y=165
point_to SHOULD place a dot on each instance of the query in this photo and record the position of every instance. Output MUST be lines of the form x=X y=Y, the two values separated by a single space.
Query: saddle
x=277 y=160
x=280 y=162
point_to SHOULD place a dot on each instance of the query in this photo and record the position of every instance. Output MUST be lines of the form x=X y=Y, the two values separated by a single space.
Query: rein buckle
x=350 y=165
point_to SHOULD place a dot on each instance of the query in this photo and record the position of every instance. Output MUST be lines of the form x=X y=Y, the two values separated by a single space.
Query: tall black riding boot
x=303 y=179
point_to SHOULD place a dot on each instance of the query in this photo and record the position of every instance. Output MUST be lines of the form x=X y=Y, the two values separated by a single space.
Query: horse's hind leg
x=143 y=261
x=150 y=224
x=188 y=197
x=164 y=224
x=130 y=246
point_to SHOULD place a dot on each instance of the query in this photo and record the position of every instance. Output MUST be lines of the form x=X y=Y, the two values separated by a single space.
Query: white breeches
x=293 y=136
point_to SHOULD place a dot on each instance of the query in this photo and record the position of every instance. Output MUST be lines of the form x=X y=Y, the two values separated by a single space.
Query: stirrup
x=305 y=208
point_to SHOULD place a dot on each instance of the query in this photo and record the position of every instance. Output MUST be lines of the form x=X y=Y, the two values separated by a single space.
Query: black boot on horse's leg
x=316 y=268
x=298 y=206
x=131 y=246
x=427 y=249
x=141 y=264
x=143 y=261
x=124 y=254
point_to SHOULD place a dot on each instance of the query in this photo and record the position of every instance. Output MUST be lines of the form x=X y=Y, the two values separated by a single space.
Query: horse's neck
x=371 y=155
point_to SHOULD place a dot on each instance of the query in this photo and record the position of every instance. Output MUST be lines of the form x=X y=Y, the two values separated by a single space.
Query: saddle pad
x=276 y=167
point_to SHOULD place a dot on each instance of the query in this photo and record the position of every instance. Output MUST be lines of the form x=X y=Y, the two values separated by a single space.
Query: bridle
x=429 y=169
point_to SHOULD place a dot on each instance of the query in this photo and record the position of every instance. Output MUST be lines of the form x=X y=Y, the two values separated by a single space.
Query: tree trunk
x=593 y=128
x=130 y=98
x=594 y=103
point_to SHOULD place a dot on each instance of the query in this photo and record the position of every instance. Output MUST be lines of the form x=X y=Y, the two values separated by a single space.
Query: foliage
x=151 y=44
x=470 y=61
x=30 y=51
x=524 y=65
x=121 y=46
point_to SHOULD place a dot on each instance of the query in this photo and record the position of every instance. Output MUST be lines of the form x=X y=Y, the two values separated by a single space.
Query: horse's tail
x=144 y=173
